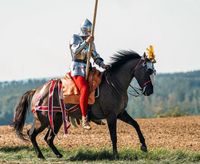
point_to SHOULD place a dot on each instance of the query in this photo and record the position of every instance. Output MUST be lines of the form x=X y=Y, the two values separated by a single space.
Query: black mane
x=122 y=57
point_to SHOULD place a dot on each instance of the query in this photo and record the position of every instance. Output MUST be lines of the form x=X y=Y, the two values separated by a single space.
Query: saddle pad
x=74 y=99
x=71 y=93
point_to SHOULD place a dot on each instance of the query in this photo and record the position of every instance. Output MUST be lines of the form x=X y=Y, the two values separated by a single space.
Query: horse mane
x=122 y=57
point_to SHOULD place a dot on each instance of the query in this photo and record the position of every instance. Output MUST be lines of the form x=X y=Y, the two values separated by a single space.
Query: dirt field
x=168 y=133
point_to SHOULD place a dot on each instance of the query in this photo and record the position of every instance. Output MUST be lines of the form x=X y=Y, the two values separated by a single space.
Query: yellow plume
x=151 y=55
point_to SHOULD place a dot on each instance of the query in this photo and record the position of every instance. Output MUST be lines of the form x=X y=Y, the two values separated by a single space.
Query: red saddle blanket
x=71 y=93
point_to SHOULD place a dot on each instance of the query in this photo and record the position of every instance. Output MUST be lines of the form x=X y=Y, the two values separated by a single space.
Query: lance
x=90 y=45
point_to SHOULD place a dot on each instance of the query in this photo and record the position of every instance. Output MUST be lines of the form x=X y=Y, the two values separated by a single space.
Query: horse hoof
x=115 y=155
x=144 y=148
x=59 y=156
x=41 y=157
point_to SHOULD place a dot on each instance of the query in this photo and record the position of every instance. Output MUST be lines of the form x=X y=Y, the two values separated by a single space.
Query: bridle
x=138 y=91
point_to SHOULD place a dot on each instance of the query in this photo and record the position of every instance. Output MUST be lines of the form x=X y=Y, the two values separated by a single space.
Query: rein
x=138 y=91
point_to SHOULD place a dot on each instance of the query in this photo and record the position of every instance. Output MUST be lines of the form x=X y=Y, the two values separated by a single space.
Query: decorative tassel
x=151 y=55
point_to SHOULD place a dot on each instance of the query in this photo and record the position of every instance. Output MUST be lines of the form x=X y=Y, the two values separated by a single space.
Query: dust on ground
x=182 y=133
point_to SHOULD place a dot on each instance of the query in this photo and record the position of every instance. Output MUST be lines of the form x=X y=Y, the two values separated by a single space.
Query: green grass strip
x=86 y=155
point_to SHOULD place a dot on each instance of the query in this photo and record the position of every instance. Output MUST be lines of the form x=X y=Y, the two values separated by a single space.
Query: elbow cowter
x=99 y=61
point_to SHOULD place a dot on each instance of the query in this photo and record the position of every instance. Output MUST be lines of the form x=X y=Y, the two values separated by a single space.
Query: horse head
x=145 y=72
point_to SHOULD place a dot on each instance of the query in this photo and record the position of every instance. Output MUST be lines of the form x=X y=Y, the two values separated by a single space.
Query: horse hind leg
x=125 y=117
x=36 y=128
x=49 y=137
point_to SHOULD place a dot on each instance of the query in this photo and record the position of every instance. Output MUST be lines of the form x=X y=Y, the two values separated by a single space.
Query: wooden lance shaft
x=90 y=45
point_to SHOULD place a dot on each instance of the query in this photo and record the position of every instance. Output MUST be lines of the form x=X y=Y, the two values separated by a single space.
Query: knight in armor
x=79 y=47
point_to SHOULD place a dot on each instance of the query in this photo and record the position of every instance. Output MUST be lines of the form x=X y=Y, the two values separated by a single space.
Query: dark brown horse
x=110 y=104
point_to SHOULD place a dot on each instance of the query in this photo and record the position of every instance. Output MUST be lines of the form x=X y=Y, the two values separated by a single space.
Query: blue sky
x=35 y=34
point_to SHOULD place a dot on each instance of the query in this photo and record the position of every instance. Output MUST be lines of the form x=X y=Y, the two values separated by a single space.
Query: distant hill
x=175 y=94
x=10 y=92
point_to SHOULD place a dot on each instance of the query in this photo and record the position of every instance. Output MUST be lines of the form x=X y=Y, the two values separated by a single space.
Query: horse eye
x=144 y=64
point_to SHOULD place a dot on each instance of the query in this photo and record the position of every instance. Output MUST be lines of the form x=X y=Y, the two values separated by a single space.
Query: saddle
x=71 y=94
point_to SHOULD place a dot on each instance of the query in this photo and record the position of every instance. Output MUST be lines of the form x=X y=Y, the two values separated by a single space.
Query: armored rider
x=79 y=47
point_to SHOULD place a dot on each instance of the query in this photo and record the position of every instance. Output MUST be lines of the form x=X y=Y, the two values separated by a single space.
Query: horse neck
x=124 y=75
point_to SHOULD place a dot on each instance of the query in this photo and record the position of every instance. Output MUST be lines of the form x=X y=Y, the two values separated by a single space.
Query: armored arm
x=97 y=59
x=77 y=44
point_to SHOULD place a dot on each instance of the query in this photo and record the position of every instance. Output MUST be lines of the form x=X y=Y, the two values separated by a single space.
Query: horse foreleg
x=129 y=120
x=36 y=128
x=49 y=137
x=112 y=125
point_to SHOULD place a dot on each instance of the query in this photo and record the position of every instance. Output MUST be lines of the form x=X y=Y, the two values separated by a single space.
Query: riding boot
x=85 y=123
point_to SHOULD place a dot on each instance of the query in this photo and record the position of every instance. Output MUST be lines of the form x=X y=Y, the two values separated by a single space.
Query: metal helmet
x=86 y=28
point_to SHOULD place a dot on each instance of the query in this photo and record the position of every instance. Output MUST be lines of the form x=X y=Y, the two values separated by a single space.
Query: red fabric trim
x=45 y=108
x=62 y=108
x=50 y=103
x=73 y=108
x=55 y=108
x=51 y=109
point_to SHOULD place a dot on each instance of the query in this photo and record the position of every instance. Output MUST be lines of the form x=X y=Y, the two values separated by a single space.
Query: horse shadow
x=15 y=149
x=73 y=156
x=92 y=156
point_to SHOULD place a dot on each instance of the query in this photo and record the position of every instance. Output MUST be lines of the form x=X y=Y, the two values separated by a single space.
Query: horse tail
x=20 y=113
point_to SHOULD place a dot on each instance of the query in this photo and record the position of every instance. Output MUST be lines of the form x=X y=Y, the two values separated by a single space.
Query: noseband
x=146 y=83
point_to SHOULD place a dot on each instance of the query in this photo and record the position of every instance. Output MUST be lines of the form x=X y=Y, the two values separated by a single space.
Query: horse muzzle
x=148 y=90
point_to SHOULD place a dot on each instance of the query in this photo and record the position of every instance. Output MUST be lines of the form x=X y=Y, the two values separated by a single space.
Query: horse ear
x=144 y=56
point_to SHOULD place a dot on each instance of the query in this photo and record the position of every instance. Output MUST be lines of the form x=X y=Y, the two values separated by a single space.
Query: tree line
x=175 y=94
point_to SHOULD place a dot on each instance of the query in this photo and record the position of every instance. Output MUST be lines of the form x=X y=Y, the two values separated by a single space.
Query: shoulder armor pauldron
x=76 y=39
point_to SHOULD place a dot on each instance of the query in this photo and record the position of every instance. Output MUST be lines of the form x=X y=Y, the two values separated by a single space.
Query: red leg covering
x=83 y=87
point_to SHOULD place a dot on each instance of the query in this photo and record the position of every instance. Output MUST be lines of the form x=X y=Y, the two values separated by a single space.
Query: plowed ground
x=168 y=133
